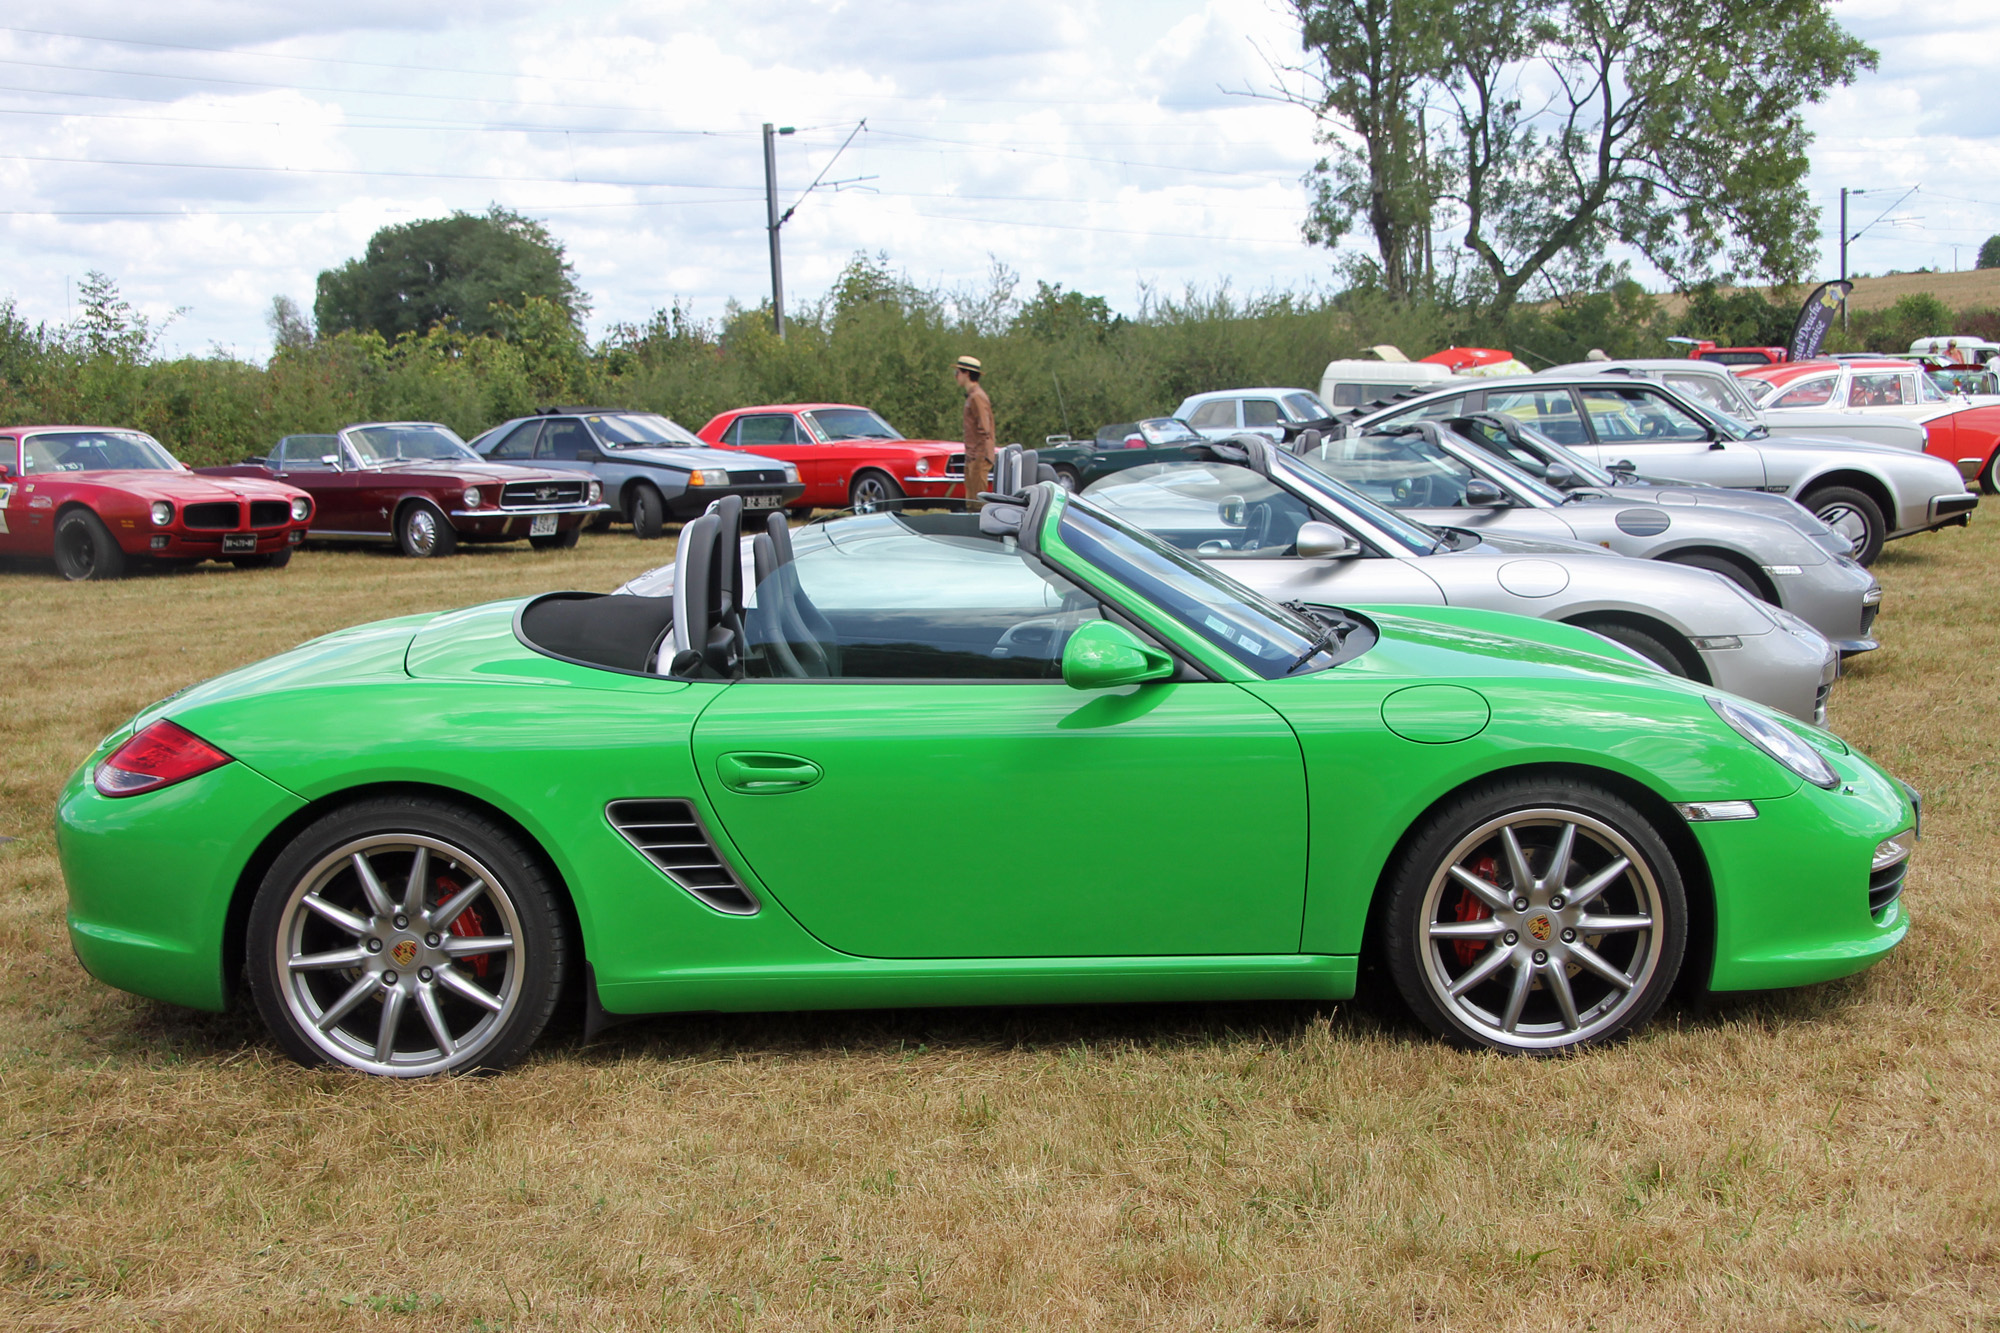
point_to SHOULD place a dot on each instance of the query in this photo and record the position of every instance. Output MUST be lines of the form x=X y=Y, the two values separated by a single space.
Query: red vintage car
x=93 y=499
x=848 y=457
x=417 y=484
x=1963 y=430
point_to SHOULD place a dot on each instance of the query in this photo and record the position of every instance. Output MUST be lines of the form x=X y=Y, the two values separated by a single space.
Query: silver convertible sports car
x=1283 y=527
x=1868 y=493
x=1436 y=476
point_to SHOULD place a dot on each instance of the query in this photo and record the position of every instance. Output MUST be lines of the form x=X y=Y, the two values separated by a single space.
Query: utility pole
x=772 y=222
x=1843 y=244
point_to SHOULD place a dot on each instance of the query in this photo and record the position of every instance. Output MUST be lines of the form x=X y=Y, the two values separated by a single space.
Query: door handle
x=765 y=774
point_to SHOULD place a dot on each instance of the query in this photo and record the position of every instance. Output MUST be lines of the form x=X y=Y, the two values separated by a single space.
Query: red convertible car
x=848 y=457
x=92 y=499
x=417 y=484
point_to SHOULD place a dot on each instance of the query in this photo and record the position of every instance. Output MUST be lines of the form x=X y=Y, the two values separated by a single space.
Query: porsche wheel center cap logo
x=405 y=950
x=1538 y=926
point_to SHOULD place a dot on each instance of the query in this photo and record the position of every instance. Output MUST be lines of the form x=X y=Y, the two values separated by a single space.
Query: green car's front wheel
x=407 y=936
x=1536 y=916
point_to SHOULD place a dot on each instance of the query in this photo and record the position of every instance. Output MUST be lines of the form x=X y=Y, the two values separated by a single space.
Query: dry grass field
x=1824 y=1159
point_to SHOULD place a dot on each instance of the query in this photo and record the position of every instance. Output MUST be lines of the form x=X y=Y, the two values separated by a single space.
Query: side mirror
x=1103 y=656
x=1318 y=541
x=1231 y=510
x=331 y=460
x=1560 y=476
x=1481 y=493
x=6 y=472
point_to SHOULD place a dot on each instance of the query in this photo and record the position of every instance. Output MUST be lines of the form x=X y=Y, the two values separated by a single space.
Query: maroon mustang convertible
x=416 y=483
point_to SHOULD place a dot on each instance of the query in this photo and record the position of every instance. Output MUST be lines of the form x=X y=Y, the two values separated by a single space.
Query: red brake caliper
x=467 y=925
x=1471 y=909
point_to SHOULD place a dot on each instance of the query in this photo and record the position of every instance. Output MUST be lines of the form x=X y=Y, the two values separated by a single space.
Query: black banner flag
x=1816 y=317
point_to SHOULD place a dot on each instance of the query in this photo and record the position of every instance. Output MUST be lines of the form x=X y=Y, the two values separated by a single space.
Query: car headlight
x=1892 y=849
x=596 y=491
x=708 y=477
x=791 y=472
x=163 y=513
x=472 y=497
x=923 y=466
x=301 y=508
x=1777 y=740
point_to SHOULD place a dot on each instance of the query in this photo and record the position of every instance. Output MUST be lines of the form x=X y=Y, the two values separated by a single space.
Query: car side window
x=921 y=596
x=1814 y=392
x=1705 y=390
x=1550 y=411
x=1261 y=412
x=765 y=428
x=1880 y=389
x=519 y=443
x=1216 y=414
x=564 y=440
x=1634 y=416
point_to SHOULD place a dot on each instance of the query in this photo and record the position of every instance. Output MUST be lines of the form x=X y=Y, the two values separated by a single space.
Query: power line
x=344 y=171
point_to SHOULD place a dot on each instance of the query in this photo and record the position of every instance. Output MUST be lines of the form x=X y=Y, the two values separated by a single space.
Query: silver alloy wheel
x=1067 y=479
x=397 y=954
x=1848 y=521
x=1542 y=928
x=869 y=493
x=422 y=527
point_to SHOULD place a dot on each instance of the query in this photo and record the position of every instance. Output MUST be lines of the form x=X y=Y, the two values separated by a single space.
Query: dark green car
x=415 y=837
x=1124 y=444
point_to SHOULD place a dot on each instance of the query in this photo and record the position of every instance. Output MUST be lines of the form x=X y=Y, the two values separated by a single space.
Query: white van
x=1351 y=383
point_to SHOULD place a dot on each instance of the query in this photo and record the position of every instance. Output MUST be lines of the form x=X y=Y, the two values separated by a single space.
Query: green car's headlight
x=1779 y=741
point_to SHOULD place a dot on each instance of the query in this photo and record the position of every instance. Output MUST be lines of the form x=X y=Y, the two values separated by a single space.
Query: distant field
x=1972 y=287
x=1823 y=1159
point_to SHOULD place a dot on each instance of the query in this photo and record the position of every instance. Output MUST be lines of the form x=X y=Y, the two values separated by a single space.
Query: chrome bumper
x=530 y=510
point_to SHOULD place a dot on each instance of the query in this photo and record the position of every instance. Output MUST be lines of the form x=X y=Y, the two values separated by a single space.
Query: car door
x=336 y=494
x=946 y=795
x=12 y=536
x=1662 y=439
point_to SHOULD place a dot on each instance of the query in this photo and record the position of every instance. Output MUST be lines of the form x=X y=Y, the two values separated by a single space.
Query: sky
x=212 y=154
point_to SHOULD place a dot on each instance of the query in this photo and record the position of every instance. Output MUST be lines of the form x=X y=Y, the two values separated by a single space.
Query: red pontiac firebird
x=848 y=457
x=93 y=498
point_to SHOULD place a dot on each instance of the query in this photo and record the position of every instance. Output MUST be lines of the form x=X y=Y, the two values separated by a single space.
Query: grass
x=1821 y=1159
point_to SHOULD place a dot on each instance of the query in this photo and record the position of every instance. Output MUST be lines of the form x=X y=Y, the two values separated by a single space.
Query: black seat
x=796 y=638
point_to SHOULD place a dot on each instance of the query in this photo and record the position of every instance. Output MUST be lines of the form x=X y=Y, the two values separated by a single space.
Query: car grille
x=1868 y=614
x=214 y=515
x=1885 y=886
x=270 y=513
x=670 y=835
x=761 y=477
x=955 y=466
x=534 y=494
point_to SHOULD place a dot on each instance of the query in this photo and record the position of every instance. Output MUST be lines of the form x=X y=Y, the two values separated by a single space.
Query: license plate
x=761 y=502
x=542 y=525
x=239 y=541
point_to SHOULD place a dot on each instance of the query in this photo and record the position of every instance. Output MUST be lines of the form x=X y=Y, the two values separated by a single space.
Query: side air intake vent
x=670 y=835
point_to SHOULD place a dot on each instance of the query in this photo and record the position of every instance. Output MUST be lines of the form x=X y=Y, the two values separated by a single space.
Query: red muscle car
x=93 y=498
x=417 y=484
x=848 y=457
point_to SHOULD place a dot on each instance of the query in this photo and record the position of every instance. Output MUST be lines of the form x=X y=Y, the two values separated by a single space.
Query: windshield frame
x=594 y=421
x=1218 y=650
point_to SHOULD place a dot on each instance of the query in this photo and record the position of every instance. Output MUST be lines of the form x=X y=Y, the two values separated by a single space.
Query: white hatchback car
x=1226 y=412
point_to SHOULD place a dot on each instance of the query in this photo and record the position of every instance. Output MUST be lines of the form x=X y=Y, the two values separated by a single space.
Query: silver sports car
x=1868 y=493
x=1430 y=472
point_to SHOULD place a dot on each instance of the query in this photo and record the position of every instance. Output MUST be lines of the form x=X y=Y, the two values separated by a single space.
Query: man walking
x=978 y=429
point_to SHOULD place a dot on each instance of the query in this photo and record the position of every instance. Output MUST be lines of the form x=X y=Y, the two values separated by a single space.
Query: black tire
x=1648 y=646
x=423 y=532
x=870 y=490
x=1989 y=476
x=423 y=967
x=557 y=541
x=1852 y=513
x=1067 y=478
x=1542 y=980
x=1723 y=565
x=649 y=512
x=85 y=549
x=600 y=522
x=269 y=560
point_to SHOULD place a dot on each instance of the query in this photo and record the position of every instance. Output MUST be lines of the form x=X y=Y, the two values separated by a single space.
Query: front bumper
x=1789 y=671
x=1839 y=598
x=508 y=524
x=690 y=503
x=1792 y=885
x=179 y=543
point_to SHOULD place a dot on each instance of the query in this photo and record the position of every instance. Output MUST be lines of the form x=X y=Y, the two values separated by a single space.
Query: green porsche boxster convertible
x=827 y=785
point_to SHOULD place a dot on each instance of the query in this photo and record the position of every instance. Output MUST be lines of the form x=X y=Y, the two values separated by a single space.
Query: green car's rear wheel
x=1535 y=916
x=406 y=936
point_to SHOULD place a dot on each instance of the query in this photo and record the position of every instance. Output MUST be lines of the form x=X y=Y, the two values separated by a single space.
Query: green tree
x=1989 y=253
x=455 y=269
x=1563 y=128
x=1054 y=315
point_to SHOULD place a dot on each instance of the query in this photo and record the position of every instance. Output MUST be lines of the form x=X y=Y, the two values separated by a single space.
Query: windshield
x=1533 y=452
x=1720 y=392
x=637 y=430
x=95 y=451
x=1306 y=407
x=1260 y=634
x=401 y=442
x=1341 y=499
x=850 y=423
x=1406 y=471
